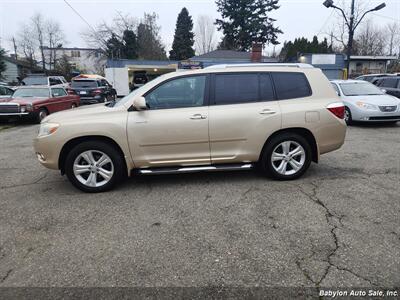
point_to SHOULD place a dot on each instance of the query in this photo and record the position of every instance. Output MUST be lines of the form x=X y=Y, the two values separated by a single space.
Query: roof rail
x=289 y=65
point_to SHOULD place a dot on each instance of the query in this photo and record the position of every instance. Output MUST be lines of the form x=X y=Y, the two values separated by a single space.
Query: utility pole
x=352 y=24
x=351 y=37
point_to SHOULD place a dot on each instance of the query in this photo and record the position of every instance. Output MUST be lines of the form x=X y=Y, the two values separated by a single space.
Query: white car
x=364 y=102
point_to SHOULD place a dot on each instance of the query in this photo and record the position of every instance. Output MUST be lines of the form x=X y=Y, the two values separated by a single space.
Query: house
x=360 y=65
x=17 y=69
x=87 y=60
x=332 y=65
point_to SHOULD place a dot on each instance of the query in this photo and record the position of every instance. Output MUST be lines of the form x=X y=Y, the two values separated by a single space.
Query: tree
x=27 y=44
x=370 y=40
x=38 y=25
x=130 y=44
x=291 y=50
x=55 y=38
x=149 y=41
x=182 y=46
x=205 y=35
x=393 y=30
x=246 y=21
x=64 y=67
x=114 y=47
x=2 y=62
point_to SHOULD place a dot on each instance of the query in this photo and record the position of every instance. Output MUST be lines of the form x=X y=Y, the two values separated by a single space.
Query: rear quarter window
x=389 y=82
x=291 y=85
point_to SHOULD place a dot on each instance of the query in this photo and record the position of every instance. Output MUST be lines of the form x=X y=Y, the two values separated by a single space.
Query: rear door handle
x=198 y=117
x=267 y=111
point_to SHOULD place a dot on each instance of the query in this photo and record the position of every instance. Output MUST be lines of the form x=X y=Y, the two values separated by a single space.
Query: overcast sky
x=295 y=17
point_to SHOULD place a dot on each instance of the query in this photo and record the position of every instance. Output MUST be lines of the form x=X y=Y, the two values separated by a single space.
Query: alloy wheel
x=288 y=158
x=93 y=168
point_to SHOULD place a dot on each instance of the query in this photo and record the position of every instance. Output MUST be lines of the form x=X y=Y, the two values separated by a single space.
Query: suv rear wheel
x=287 y=156
x=94 y=166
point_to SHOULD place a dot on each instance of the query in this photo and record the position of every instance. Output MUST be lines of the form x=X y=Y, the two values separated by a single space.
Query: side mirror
x=139 y=103
x=384 y=91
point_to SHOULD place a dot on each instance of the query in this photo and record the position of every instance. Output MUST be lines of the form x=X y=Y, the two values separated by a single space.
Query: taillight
x=97 y=92
x=337 y=109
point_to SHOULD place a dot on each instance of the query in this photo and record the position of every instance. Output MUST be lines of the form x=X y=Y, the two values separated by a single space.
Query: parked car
x=371 y=77
x=234 y=117
x=93 y=89
x=391 y=85
x=40 y=79
x=37 y=102
x=5 y=91
x=364 y=102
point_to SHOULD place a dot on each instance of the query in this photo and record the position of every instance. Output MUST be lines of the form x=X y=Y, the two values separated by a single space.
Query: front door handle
x=267 y=112
x=198 y=117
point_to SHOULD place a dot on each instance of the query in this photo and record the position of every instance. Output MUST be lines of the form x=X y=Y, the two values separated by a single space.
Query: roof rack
x=293 y=65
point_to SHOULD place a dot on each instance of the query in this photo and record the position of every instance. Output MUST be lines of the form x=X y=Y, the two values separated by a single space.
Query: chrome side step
x=193 y=169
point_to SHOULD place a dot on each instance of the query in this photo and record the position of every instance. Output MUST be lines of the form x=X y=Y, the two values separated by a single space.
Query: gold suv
x=278 y=117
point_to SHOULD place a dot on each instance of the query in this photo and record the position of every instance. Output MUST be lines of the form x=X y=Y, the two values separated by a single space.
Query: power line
x=326 y=22
x=80 y=16
x=386 y=17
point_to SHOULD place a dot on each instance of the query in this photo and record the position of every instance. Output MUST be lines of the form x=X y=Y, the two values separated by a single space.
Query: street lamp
x=351 y=24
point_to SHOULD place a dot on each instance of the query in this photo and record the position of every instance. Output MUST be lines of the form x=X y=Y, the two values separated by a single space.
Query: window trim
x=206 y=91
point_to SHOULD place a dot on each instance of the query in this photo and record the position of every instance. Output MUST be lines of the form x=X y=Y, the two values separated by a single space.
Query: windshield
x=27 y=93
x=139 y=91
x=84 y=84
x=360 y=89
x=35 y=81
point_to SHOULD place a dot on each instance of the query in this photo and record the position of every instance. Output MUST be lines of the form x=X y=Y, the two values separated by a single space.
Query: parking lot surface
x=339 y=225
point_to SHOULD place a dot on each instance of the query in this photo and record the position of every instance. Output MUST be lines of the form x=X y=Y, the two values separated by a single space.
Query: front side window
x=291 y=85
x=54 y=81
x=178 y=93
x=236 y=88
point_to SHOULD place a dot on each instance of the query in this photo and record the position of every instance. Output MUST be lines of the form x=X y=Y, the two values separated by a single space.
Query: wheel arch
x=68 y=146
x=304 y=132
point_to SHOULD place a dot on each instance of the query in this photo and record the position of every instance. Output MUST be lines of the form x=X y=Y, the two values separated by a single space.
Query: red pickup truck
x=36 y=102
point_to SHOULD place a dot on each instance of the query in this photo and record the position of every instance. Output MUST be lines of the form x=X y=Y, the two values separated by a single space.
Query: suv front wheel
x=94 y=166
x=287 y=156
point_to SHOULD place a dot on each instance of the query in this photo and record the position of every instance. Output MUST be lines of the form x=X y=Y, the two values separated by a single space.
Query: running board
x=193 y=169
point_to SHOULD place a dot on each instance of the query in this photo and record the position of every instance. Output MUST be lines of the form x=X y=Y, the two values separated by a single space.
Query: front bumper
x=47 y=152
x=20 y=114
x=374 y=115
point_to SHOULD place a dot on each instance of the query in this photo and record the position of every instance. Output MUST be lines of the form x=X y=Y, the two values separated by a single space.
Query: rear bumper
x=91 y=100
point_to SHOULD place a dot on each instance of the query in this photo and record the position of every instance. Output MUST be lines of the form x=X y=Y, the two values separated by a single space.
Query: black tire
x=40 y=115
x=265 y=163
x=110 y=151
x=349 y=119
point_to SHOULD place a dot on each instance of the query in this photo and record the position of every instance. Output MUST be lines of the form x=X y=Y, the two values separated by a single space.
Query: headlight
x=367 y=106
x=23 y=109
x=29 y=107
x=47 y=129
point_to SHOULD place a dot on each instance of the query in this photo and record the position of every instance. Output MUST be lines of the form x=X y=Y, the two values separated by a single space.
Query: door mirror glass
x=139 y=103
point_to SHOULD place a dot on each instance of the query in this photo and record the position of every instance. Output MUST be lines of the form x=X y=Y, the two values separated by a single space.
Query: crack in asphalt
x=37 y=181
x=2 y=279
x=329 y=216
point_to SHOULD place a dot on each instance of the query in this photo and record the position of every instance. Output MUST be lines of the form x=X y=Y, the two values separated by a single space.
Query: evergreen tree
x=114 y=47
x=291 y=50
x=182 y=47
x=148 y=39
x=2 y=62
x=246 y=21
x=130 y=46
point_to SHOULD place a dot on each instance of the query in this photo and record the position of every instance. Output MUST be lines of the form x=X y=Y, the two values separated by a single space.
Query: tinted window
x=389 y=82
x=58 y=92
x=236 y=88
x=291 y=85
x=54 y=81
x=5 y=91
x=181 y=92
x=266 y=89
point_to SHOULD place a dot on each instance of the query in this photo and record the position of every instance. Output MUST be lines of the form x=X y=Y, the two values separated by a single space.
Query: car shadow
x=375 y=125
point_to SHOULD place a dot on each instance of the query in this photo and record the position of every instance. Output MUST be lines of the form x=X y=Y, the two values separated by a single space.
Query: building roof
x=370 y=57
x=239 y=56
x=21 y=63
x=71 y=48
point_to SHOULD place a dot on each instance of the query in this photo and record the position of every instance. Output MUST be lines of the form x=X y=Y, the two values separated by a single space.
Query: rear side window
x=236 y=88
x=291 y=85
x=389 y=83
x=266 y=88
